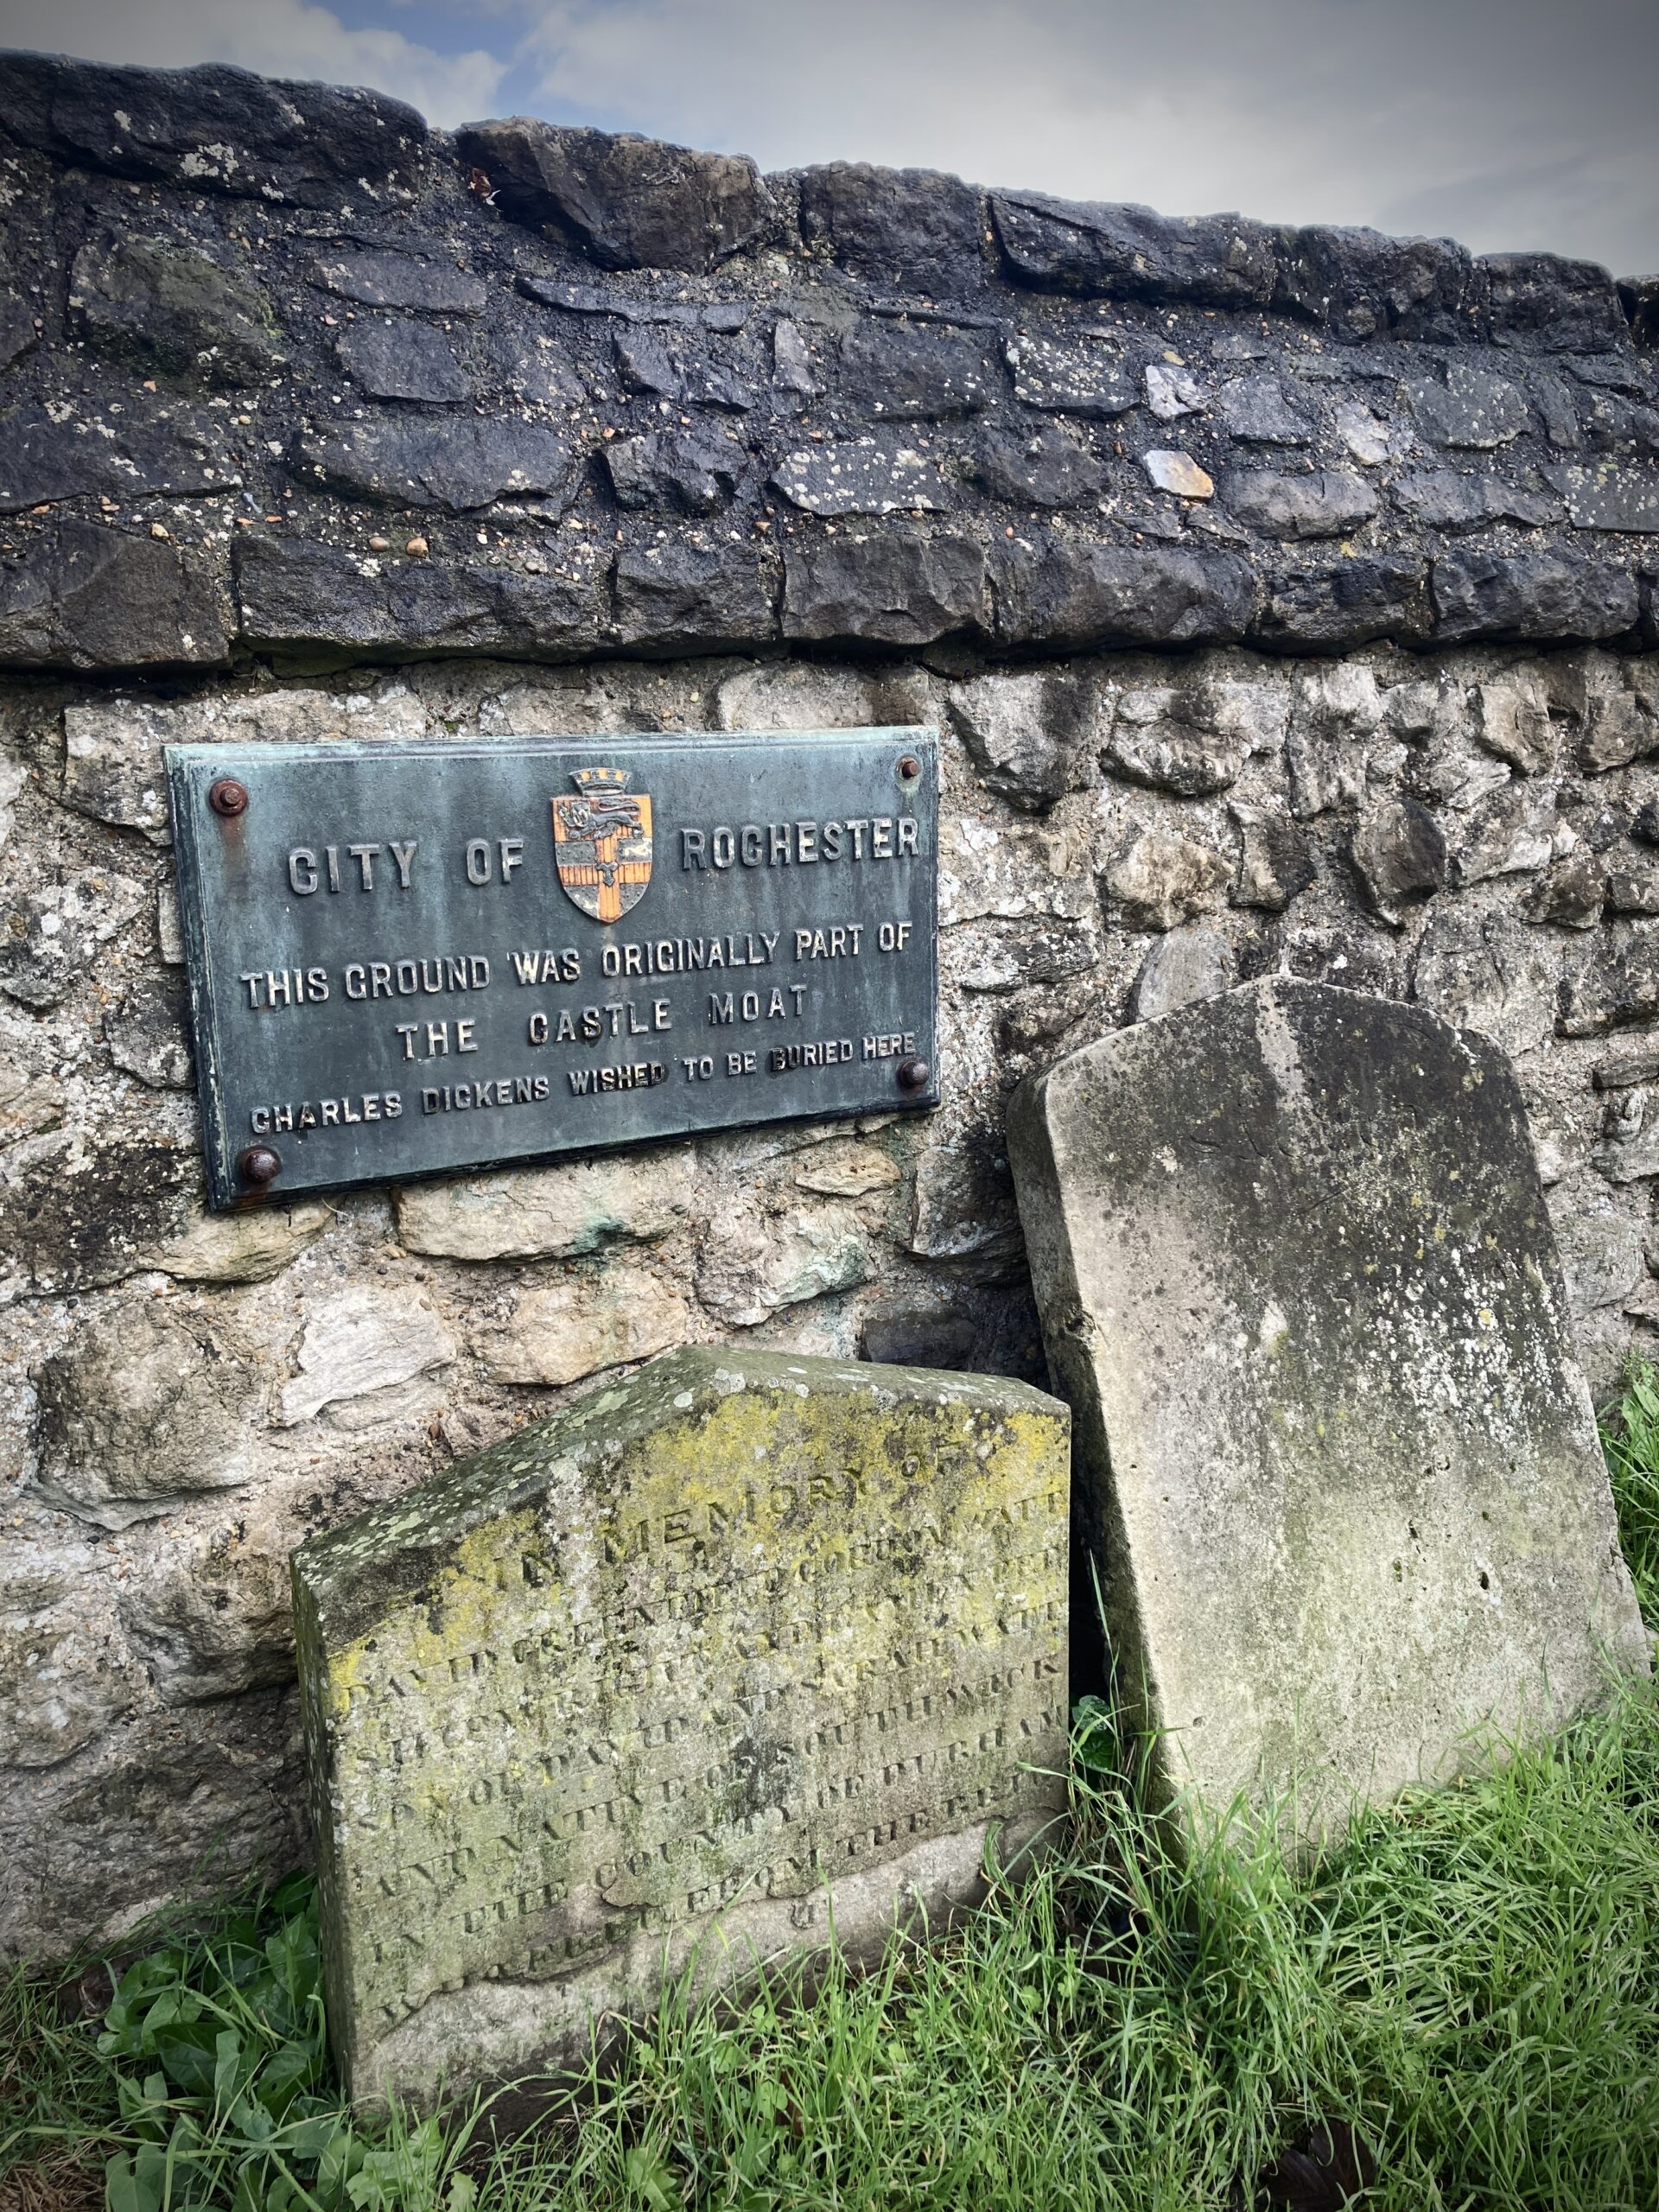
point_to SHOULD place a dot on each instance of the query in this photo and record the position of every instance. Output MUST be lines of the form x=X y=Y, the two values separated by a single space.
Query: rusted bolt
x=912 y=1074
x=259 y=1165
x=228 y=798
x=909 y=767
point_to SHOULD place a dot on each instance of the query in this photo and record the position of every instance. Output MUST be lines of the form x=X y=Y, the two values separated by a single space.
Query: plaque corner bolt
x=910 y=768
x=912 y=1074
x=259 y=1165
x=228 y=798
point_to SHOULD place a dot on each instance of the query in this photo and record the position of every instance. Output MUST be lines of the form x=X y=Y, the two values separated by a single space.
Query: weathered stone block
x=1337 y=1461
x=628 y=202
x=748 y=1642
x=214 y=129
x=545 y=1213
x=897 y=226
x=1118 y=251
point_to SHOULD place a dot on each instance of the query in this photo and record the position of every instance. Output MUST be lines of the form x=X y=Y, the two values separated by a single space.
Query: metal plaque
x=406 y=959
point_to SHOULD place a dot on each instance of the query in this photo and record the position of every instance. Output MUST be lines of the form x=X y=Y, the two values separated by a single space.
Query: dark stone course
x=402 y=361
x=681 y=597
x=1363 y=284
x=1553 y=594
x=724 y=315
x=167 y=447
x=1442 y=499
x=628 y=202
x=17 y=331
x=1472 y=408
x=1613 y=424
x=919 y=1337
x=1276 y=864
x=316 y=604
x=1046 y=465
x=901 y=374
x=912 y=227
x=1619 y=371
x=169 y=307
x=688 y=472
x=214 y=129
x=645 y=366
x=912 y=348
x=1551 y=305
x=708 y=384
x=81 y=595
x=1082 y=377
x=376 y=279
x=1256 y=409
x=460 y=465
x=896 y=586
x=1639 y=297
x=1056 y=590
x=1327 y=503
x=1612 y=499
x=861 y=476
x=1557 y=409
x=1131 y=252
x=1335 y=605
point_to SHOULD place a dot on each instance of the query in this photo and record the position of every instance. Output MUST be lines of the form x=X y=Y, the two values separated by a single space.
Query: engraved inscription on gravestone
x=744 y=1644
x=410 y=958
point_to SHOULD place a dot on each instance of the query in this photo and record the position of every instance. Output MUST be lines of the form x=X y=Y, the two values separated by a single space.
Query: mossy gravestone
x=745 y=1645
x=1334 y=1459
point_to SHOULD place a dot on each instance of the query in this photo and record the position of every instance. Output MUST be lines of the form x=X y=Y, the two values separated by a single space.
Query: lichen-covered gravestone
x=1334 y=1459
x=745 y=1644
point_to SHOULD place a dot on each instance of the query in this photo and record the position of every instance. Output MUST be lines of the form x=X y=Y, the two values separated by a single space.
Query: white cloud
x=1510 y=122
x=280 y=38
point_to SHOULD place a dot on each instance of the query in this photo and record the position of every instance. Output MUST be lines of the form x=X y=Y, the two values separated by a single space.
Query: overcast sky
x=1503 y=123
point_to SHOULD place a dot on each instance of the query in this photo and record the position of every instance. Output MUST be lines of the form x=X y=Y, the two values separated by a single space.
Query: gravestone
x=1335 y=1459
x=747 y=1646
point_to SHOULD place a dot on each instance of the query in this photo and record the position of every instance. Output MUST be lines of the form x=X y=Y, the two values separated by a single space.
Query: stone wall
x=332 y=426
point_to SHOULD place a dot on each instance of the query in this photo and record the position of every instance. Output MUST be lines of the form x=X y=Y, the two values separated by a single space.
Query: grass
x=1458 y=2008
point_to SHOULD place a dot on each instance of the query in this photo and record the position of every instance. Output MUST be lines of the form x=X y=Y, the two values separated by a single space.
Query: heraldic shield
x=601 y=842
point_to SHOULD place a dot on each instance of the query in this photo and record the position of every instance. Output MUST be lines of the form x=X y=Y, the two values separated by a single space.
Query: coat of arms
x=601 y=842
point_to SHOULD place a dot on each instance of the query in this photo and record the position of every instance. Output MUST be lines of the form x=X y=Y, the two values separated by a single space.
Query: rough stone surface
x=171 y=308
x=606 y=1618
x=344 y=315
x=1156 y=716
x=1336 y=1460
x=630 y=202
x=403 y=360
x=560 y=1334
x=544 y=1213
x=1327 y=505
x=1023 y=735
x=145 y=1410
x=1050 y=908
x=215 y=129
x=1182 y=968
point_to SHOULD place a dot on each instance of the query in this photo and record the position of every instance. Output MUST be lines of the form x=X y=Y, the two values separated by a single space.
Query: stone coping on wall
x=284 y=373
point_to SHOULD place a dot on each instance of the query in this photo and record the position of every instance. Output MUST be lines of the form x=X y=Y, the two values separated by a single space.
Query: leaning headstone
x=1335 y=1460
x=746 y=1648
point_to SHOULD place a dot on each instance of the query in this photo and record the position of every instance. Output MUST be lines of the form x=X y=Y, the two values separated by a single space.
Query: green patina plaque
x=748 y=1643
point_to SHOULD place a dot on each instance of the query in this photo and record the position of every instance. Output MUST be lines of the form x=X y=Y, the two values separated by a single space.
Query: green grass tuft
x=1458 y=2007
x=1630 y=1436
